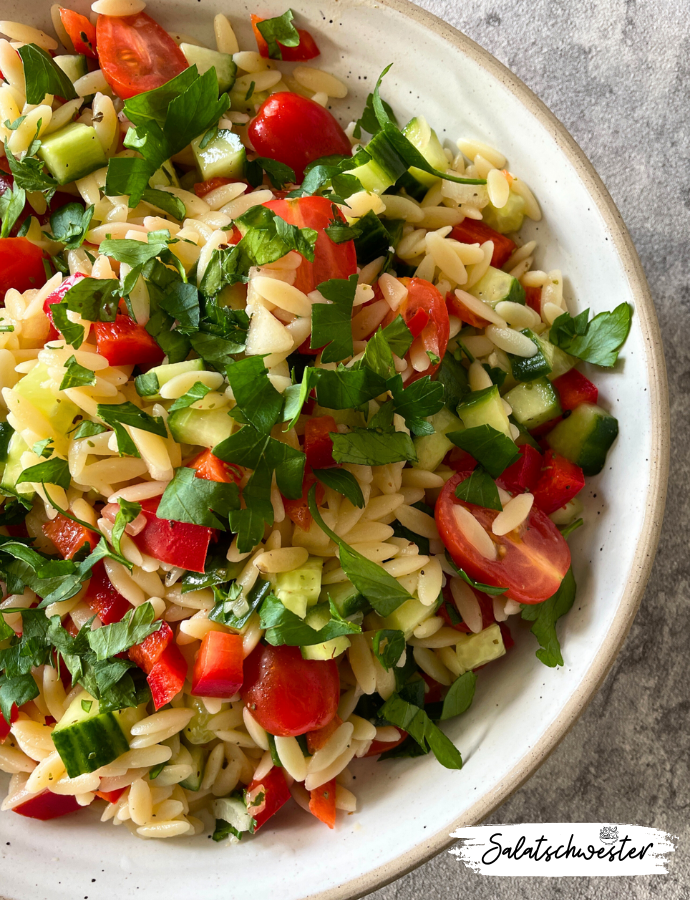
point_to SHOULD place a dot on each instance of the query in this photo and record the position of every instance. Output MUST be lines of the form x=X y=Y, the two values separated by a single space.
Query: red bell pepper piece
x=275 y=792
x=103 y=599
x=322 y=803
x=435 y=690
x=68 y=536
x=58 y=296
x=471 y=231
x=318 y=443
x=541 y=430
x=5 y=726
x=533 y=298
x=110 y=796
x=81 y=32
x=418 y=322
x=45 y=806
x=377 y=747
x=306 y=49
x=560 y=481
x=317 y=739
x=459 y=460
x=523 y=474
x=573 y=389
x=211 y=468
x=125 y=343
x=508 y=641
x=21 y=265
x=148 y=652
x=178 y=543
x=218 y=667
x=167 y=677
x=298 y=510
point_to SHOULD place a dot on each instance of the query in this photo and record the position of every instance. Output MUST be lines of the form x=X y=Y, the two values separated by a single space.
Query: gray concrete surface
x=616 y=73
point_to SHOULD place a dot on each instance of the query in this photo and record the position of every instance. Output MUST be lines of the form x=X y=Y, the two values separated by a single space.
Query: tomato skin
x=136 y=54
x=573 y=389
x=68 y=536
x=471 y=231
x=218 y=666
x=277 y=793
x=58 y=296
x=460 y=460
x=322 y=803
x=201 y=188
x=46 y=806
x=6 y=726
x=81 y=32
x=103 y=599
x=318 y=443
x=298 y=510
x=422 y=296
x=125 y=343
x=209 y=467
x=330 y=260
x=306 y=49
x=533 y=298
x=534 y=560
x=110 y=796
x=178 y=543
x=21 y=265
x=288 y=695
x=296 y=131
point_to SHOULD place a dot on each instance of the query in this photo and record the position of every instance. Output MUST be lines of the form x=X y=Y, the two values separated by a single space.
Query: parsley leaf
x=277 y=172
x=368 y=121
x=598 y=341
x=267 y=237
x=11 y=207
x=345 y=388
x=371 y=447
x=135 y=627
x=378 y=356
x=95 y=299
x=453 y=376
x=43 y=75
x=331 y=323
x=54 y=471
x=225 y=608
x=198 y=501
x=417 y=723
x=490 y=447
x=422 y=398
x=88 y=429
x=285 y=627
x=343 y=482
x=459 y=696
x=279 y=30
x=70 y=223
x=127 y=513
x=129 y=414
x=389 y=645
x=256 y=397
x=71 y=331
x=43 y=448
x=545 y=615
x=398 y=336
x=15 y=692
x=567 y=530
x=76 y=375
x=479 y=488
x=28 y=174
x=295 y=396
x=477 y=585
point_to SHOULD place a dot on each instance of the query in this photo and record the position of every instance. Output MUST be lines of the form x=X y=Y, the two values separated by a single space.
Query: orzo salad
x=292 y=426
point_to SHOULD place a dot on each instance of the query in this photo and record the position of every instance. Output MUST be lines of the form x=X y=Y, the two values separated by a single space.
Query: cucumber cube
x=73 y=65
x=299 y=589
x=495 y=286
x=72 y=153
x=431 y=448
x=205 y=59
x=328 y=650
x=485 y=407
x=408 y=616
x=534 y=402
x=474 y=650
x=149 y=384
x=223 y=157
x=585 y=437
x=535 y=367
x=424 y=138
x=203 y=427
x=507 y=218
x=345 y=597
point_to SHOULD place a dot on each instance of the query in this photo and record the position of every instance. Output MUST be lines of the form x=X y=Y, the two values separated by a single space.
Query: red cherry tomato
x=298 y=510
x=422 y=296
x=125 y=343
x=6 y=726
x=471 y=231
x=330 y=260
x=296 y=131
x=531 y=561
x=288 y=695
x=306 y=49
x=21 y=265
x=201 y=188
x=457 y=308
x=81 y=32
x=533 y=298
x=318 y=443
x=136 y=54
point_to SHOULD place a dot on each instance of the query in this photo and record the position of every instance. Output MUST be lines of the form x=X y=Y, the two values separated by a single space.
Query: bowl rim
x=656 y=494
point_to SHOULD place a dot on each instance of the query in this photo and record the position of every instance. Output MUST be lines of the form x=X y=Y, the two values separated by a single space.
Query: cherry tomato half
x=330 y=260
x=531 y=561
x=21 y=265
x=433 y=336
x=296 y=131
x=306 y=49
x=136 y=54
x=288 y=695
x=81 y=32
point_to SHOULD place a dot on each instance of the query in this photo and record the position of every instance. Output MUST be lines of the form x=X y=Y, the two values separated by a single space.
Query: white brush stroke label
x=560 y=850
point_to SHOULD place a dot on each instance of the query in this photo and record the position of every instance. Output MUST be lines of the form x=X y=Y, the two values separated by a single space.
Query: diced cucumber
x=560 y=361
x=198 y=754
x=568 y=513
x=527 y=369
x=485 y=407
x=72 y=152
x=419 y=132
x=223 y=157
x=233 y=811
x=585 y=437
x=299 y=589
x=196 y=731
x=431 y=448
x=474 y=650
x=351 y=417
x=205 y=59
x=73 y=65
x=149 y=384
x=166 y=176
x=524 y=437
x=373 y=177
x=328 y=650
x=203 y=427
x=534 y=402
x=345 y=597
x=87 y=739
x=240 y=102
x=59 y=412
x=14 y=468
x=495 y=286
x=508 y=217
x=408 y=616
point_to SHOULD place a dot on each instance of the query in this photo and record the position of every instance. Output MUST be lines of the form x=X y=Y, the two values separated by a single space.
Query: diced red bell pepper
x=5 y=726
x=201 y=188
x=541 y=430
x=58 y=296
x=573 y=389
x=178 y=543
x=318 y=443
x=298 y=510
x=148 y=652
x=21 y=265
x=126 y=343
x=418 y=322
x=523 y=474
x=45 y=806
x=68 y=536
x=306 y=49
x=560 y=481
x=18 y=530
x=81 y=32
x=472 y=231
x=276 y=794
x=317 y=739
x=533 y=298
x=459 y=460
x=381 y=746
x=167 y=677
x=103 y=599
x=322 y=803
x=218 y=667
x=508 y=640
x=110 y=796
x=435 y=690
x=209 y=467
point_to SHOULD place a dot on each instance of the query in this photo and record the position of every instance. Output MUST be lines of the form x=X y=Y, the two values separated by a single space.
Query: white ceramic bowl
x=521 y=709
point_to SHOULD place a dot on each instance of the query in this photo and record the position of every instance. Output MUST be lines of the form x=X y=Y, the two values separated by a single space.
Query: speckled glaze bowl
x=521 y=709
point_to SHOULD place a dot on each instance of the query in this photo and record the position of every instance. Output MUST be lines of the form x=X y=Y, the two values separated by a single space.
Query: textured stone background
x=616 y=73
